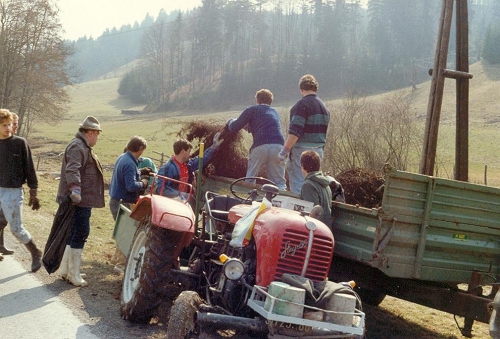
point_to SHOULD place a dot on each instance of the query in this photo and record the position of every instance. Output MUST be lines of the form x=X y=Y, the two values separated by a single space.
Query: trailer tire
x=147 y=272
x=370 y=297
x=494 y=324
x=182 y=315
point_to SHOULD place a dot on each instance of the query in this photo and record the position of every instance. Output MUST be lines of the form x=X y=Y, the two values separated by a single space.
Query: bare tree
x=32 y=62
x=155 y=53
x=368 y=135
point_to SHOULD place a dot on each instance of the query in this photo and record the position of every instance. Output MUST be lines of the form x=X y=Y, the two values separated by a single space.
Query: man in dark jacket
x=316 y=187
x=81 y=181
x=17 y=168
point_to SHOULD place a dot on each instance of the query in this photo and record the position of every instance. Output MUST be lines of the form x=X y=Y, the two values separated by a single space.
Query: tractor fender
x=168 y=213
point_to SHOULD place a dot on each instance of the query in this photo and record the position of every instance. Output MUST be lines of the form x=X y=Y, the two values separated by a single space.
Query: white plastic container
x=341 y=303
x=288 y=300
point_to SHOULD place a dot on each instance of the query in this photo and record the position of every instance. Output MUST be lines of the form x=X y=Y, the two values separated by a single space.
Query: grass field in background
x=101 y=99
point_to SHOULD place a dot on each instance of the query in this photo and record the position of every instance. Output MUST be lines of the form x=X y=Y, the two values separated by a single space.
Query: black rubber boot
x=36 y=256
x=3 y=249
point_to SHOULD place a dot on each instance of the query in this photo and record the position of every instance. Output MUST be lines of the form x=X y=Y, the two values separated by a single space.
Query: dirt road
x=34 y=305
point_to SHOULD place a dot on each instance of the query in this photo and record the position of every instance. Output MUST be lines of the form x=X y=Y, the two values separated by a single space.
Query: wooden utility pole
x=439 y=73
x=462 y=129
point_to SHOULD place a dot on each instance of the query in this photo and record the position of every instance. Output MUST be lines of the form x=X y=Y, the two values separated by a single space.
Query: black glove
x=146 y=171
x=145 y=183
x=33 y=200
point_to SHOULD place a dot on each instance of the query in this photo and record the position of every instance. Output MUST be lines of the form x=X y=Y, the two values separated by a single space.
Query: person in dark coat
x=82 y=181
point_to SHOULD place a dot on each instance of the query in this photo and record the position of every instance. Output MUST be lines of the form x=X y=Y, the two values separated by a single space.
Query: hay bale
x=231 y=160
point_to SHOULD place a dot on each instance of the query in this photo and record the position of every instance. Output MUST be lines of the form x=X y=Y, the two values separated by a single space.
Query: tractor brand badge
x=291 y=250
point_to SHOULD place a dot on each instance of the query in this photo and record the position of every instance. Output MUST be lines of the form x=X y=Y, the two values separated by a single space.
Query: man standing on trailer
x=309 y=119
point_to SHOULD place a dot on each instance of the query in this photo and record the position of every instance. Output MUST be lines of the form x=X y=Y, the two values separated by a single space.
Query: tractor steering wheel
x=251 y=189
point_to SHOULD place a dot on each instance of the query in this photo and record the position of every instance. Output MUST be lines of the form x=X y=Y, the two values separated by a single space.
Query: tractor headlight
x=233 y=269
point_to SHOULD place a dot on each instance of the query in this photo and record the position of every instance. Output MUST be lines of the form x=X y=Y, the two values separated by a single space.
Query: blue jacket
x=171 y=170
x=263 y=122
x=125 y=182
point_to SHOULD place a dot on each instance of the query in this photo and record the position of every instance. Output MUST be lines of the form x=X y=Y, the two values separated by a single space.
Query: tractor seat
x=218 y=206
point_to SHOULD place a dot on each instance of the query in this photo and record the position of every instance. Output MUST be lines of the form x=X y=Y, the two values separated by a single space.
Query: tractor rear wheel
x=148 y=272
x=182 y=315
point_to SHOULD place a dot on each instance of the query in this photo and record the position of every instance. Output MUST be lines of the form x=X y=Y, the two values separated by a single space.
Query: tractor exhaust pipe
x=217 y=321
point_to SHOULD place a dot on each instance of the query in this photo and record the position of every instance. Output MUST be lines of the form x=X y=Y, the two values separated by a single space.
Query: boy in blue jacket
x=182 y=167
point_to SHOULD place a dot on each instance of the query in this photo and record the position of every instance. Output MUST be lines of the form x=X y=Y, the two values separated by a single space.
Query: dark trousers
x=80 y=228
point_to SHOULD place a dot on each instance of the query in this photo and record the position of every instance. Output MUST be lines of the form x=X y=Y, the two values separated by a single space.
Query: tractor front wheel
x=182 y=315
x=148 y=271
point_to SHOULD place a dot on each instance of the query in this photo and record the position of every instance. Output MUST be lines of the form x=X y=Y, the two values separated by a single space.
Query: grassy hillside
x=100 y=98
x=484 y=123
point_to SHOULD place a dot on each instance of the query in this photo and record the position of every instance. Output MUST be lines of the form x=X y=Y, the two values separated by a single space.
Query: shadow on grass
x=382 y=324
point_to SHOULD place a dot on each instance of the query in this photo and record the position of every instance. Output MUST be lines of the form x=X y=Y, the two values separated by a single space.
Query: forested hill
x=219 y=54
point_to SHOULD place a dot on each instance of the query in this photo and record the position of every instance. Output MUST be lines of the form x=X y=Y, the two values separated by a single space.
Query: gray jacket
x=81 y=167
x=316 y=189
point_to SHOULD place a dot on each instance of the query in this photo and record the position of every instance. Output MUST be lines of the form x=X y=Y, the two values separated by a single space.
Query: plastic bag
x=59 y=233
x=242 y=232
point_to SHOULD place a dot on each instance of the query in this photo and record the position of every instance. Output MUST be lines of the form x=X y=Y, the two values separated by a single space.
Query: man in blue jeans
x=309 y=119
x=16 y=169
x=264 y=123
x=3 y=221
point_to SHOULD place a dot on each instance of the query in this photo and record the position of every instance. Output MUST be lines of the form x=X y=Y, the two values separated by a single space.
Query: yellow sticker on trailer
x=461 y=237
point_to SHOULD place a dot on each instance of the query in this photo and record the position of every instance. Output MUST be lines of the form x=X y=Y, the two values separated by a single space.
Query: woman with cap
x=82 y=185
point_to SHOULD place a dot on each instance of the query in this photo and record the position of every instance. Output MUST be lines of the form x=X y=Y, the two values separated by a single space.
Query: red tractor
x=221 y=286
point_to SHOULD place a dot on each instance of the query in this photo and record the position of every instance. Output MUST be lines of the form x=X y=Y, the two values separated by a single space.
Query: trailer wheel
x=494 y=307
x=147 y=272
x=182 y=321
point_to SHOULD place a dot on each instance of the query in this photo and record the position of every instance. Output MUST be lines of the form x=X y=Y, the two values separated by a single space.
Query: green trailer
x=433 y=241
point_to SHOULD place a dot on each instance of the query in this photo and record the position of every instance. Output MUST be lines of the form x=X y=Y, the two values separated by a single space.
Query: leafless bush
x=368 y=135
